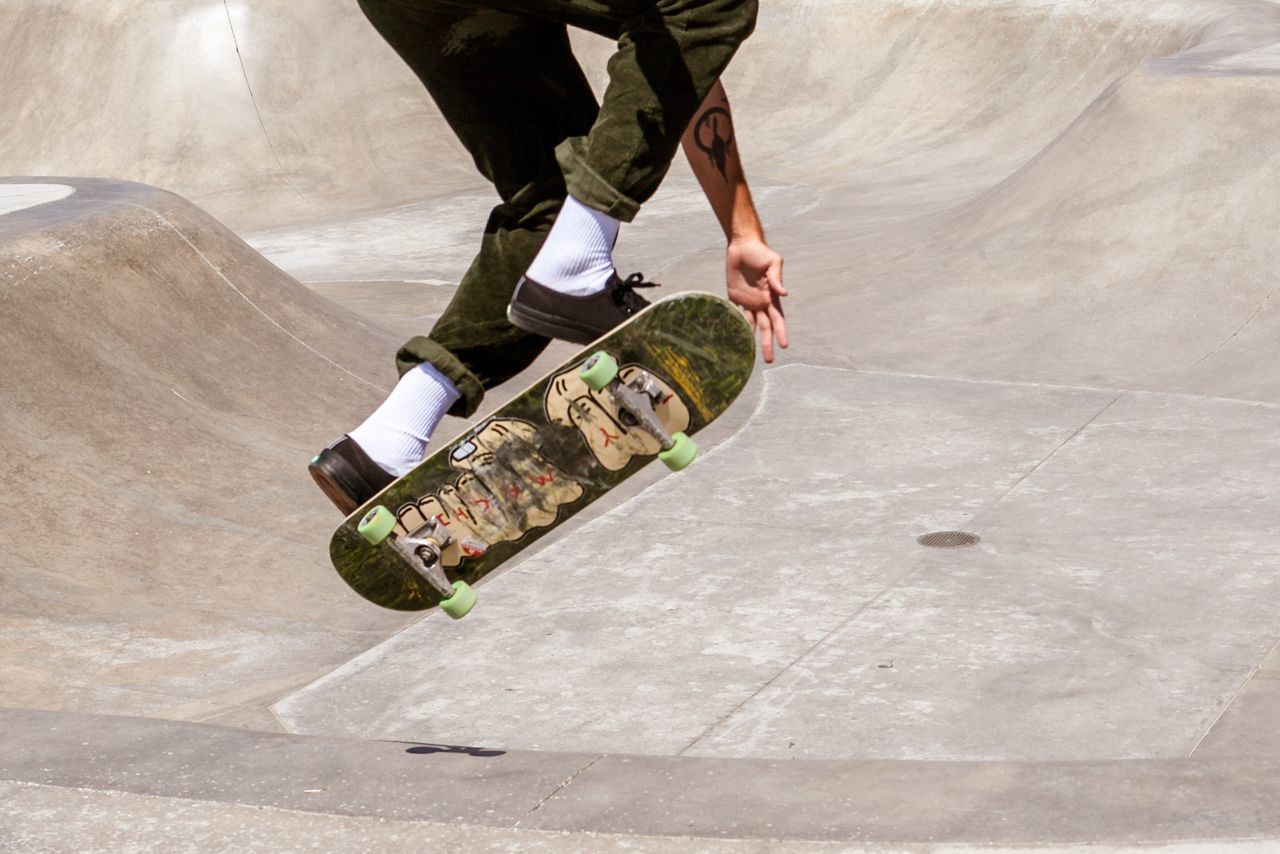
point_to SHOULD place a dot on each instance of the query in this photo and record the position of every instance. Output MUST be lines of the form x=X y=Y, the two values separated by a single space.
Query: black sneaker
x=538 y=309
x=347 y=475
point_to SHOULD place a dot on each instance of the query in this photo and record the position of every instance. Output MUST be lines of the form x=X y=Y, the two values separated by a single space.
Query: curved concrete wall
x=163 y=387
x=1071 y=192
x=304 y=110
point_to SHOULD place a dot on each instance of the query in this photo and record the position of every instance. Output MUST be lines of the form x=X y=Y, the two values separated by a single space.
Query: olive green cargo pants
x=503 y=75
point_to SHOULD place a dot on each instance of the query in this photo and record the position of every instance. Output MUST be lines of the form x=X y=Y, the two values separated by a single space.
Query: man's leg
x=509 y=86
x=511 y=90
x=670 y=54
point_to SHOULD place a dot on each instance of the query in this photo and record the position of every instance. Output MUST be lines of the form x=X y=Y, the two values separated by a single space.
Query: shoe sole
x=331 y=490
x=550 y=326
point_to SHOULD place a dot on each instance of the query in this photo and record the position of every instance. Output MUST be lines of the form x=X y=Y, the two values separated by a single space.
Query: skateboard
x=637 y=393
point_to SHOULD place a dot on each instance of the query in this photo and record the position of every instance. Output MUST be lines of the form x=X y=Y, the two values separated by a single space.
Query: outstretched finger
x=779 y=323
x=765 y=332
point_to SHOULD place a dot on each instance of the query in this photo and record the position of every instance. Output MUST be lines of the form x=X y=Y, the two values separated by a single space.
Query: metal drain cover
x=949 y=540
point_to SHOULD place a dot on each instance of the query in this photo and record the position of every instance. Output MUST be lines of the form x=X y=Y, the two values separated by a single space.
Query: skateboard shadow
x=478 y=752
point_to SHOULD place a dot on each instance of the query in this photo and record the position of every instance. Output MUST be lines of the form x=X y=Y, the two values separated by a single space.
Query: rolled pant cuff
x=422 y=349
x=587 y=186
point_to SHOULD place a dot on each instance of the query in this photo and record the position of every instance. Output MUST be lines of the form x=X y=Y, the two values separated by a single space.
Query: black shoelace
x=624 y=293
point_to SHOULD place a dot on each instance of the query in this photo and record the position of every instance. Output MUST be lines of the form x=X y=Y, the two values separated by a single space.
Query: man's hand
x=753 y=273
x=753 y=270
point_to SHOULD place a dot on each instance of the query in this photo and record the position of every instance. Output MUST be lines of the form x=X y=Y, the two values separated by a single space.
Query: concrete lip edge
x=896 y=802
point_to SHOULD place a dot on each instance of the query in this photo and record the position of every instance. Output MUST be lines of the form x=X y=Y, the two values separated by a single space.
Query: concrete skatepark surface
x=1032 y=251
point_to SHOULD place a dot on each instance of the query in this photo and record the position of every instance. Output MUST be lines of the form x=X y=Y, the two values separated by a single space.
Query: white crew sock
x=577 y=256
x=396 y=434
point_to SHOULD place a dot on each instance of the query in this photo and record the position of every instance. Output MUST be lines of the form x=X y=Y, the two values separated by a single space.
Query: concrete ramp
x=1131 y=250
x=1071 y=192
x=163 y=388
x=1032 y=250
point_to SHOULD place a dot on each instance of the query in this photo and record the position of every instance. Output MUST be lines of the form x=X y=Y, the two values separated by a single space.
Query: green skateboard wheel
x=461 y=602
x=377 y=524
x=598 y=371
x=679 y=454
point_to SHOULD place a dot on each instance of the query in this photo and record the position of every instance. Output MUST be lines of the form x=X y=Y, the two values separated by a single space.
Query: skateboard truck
x=424 y=546
x=422 y=549
x=637 y=402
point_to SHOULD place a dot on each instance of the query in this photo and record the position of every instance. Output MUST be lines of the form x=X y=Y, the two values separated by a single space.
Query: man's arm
x=753 y=271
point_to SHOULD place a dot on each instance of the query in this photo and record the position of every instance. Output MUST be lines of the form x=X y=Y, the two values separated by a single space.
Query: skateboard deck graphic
x=552 y=450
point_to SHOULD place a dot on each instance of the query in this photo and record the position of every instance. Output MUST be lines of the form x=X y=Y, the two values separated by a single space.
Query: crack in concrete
x=1235 y=698
x=266 y=135
x=1239 y=329
x=1054 y=452
x=218 y=272
x=560 y=788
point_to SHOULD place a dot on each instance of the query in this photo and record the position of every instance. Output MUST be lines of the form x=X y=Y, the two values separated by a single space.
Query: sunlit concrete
x=1031 y=247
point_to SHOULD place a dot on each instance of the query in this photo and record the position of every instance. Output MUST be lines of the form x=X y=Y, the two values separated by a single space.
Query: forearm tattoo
x=713 y=134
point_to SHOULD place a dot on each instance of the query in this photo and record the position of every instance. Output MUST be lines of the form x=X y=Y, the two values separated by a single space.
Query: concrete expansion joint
x=260 y=310
x=560 y=788
x=1030 y=384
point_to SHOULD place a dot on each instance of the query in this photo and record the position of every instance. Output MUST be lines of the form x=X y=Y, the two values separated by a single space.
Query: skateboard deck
x=546 y=454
